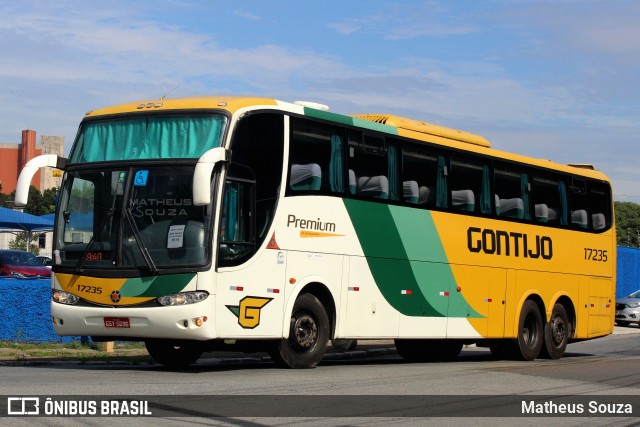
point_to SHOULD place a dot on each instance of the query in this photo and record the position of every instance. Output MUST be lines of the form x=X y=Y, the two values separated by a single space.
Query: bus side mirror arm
x=30 y=169
x=202 y=174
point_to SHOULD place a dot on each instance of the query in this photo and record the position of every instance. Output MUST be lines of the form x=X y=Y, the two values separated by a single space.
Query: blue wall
x=24 y=306
x=628 y=273
x=25 y=310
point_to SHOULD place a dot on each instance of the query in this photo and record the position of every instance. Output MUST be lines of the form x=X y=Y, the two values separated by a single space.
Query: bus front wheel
x=173 y=354
x=556 y=333
x=308 y=335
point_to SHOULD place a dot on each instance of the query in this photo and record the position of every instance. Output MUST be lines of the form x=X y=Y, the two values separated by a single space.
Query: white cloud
x=347 y=27
x=247 y=15
x=413 y=22
x=565 y=87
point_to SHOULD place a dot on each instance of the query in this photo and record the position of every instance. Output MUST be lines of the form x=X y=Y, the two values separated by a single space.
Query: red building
x=13 y=157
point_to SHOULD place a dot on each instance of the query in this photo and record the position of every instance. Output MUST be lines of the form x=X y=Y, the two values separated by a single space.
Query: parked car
x=628 y=309
x=21 y=264
x=46 y=261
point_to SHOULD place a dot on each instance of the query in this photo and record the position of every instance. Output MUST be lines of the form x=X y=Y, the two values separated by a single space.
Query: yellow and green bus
x=214 y=223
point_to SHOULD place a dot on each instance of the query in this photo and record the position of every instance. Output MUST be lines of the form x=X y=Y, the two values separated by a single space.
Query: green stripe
x=350 y=121
x=404 y=252
x=155 y=286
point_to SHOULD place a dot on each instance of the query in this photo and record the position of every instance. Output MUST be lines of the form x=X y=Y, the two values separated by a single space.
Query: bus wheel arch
x=323 y=294
x=310 y=329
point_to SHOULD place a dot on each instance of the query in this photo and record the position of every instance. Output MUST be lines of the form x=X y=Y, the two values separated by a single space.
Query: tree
x=3 y=197
x=20 y=242
x=628 y=224
x=40 y=203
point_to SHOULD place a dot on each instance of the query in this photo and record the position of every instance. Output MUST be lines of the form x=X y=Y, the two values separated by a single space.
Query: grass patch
x=25 y=351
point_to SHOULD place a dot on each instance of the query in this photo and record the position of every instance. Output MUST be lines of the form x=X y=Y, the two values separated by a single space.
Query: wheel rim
x=305 y=332
x=558 y=330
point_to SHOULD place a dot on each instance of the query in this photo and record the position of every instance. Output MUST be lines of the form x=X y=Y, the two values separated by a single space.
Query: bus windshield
x=148 y=137
x=137 y=217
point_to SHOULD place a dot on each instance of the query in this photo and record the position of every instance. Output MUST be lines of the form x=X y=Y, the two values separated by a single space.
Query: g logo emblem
x=248 y=312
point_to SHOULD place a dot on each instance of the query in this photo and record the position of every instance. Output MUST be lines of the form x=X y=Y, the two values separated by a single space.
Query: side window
x=79 y=220
x=600 y=205
x=258 y=144
x=372 y=167
x=470 y=186
x=550 y=200
x=578 y=212
x=315 y=158
x=419 y=177
x=237 y=226
x=511 y=192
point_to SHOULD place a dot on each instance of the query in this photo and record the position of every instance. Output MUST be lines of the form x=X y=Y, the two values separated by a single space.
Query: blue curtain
x=485 y=192
x=524 y=191
x=564 y=207
x=393 y=172
x=148 y=138
x=335 y=165
x=231 y=211
x=441 y=184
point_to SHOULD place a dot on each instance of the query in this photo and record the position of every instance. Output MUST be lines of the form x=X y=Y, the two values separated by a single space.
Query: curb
x=215 y=357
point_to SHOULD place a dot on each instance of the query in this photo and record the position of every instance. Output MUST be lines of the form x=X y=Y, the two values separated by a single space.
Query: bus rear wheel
x=556 y=333
x=308 y=335
x=414 y=350
x=173 y=354
x=530 y=332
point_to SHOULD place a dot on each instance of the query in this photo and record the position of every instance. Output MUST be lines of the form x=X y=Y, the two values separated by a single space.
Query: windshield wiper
x=140 y=241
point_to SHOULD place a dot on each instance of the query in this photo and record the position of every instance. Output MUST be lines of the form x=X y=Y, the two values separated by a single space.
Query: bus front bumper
x=191 y=321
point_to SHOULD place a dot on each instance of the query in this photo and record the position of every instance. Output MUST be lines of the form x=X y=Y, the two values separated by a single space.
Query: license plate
x=117 y=322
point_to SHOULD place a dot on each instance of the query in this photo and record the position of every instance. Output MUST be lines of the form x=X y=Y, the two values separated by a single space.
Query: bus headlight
x=183 y=298
x=63 y=297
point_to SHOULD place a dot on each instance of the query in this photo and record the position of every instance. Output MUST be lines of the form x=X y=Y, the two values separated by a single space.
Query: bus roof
x=387 y=123
x=229 y=103
x=426 y=128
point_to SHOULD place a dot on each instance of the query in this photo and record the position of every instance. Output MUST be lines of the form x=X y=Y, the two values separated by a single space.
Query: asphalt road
x=608 y=366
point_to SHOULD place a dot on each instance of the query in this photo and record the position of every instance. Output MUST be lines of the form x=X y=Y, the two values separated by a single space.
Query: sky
x=553 y=79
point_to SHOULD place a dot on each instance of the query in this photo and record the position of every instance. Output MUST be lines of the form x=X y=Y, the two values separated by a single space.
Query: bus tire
x=173 y=354
x=530 y=332
x=556 y=333
x=416 y=350
x=308 y=335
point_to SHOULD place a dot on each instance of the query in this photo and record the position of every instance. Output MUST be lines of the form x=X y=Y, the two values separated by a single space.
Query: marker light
x=183 y=298
x=199 y=321
x=63 y=297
